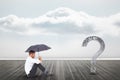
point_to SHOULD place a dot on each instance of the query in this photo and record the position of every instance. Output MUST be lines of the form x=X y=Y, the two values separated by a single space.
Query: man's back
x=29 y=64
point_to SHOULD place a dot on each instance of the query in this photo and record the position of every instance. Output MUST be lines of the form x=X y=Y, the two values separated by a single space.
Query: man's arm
x=37 y=61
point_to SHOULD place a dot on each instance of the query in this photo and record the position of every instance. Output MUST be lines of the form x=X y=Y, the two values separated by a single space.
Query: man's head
x=32 y=54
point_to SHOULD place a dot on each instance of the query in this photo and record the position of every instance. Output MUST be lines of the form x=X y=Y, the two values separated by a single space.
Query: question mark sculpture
x=98 y=53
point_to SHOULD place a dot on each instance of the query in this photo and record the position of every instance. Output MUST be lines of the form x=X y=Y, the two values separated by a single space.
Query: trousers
x=34 y=69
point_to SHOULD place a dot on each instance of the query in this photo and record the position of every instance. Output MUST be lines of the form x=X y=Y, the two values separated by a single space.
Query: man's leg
x=41 y=67
x=45 y=72
x=33 y=70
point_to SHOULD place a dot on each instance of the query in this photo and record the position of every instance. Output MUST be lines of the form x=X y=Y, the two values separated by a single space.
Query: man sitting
x=32 y=64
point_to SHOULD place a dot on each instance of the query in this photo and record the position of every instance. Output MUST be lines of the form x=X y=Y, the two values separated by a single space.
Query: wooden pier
x=62 y=70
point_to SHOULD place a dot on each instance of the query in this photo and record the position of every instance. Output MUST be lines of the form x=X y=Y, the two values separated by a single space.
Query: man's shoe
x=49 y=74
x=45 y=72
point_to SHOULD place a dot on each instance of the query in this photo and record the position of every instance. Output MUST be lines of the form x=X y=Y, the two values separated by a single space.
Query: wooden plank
x=62 y=70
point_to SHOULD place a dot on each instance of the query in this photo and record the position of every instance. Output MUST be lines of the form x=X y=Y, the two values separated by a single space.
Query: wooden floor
x=62 y=70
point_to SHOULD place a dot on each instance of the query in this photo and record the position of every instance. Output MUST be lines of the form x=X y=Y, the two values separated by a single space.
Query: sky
x=60 y=24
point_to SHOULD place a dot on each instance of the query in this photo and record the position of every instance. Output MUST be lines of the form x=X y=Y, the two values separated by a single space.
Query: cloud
x=62 y=21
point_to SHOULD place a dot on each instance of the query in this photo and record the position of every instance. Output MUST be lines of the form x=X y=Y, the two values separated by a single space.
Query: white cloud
x=62 y=21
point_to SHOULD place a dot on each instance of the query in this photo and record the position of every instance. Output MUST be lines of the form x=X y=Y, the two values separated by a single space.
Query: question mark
x=98 y=53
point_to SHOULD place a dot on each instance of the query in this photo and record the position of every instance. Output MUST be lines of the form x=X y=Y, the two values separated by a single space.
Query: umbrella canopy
x=38 y=48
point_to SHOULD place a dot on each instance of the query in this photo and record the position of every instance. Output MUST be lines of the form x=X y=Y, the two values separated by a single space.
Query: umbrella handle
x=38 y=54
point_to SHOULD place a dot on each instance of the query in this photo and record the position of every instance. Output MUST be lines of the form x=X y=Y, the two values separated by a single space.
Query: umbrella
x=38 y=48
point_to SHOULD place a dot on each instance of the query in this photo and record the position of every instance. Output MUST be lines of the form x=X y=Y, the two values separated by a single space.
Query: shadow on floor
x=40 y=77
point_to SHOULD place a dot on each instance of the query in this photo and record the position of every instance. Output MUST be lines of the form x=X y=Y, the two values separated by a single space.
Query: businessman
x=32 y=64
